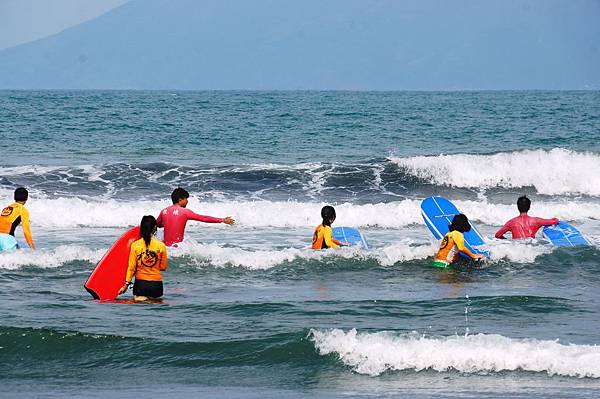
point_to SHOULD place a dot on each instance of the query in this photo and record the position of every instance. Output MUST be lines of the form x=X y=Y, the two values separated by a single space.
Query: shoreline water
x=244 y=303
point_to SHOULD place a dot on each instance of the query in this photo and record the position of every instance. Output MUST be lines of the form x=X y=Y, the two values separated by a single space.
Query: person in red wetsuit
x=524 y=226
x=174 y=218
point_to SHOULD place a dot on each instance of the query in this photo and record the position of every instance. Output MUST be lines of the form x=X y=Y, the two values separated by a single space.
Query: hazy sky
x=26 y=20
x=301 y=44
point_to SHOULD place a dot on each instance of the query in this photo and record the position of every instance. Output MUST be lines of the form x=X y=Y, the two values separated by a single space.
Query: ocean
x=249 y=310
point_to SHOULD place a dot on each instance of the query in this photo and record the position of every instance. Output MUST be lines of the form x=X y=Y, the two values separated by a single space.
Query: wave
x=154 y=180
x=380 y=179
x=76 y=212
x=57 y=349
x=376 y=353
x=216 y=255
x=49 y=258
x=553 y=172
x=198 y=254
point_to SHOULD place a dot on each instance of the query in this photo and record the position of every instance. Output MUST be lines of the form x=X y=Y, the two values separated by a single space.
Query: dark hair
x=523 y=203
x=460 y=223
x=21 y=194
x=328 y=215
x=179 y=194
x=147 y=228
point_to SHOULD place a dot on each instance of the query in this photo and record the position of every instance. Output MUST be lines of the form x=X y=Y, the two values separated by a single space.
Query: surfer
x=147 y=258
x=524 y=226
x=10 y=218
x=174 y=218
x=322 y=237
x=454 y=242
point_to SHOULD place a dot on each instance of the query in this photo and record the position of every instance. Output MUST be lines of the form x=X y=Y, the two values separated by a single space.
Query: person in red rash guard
x=524 y=226
x=174 y=218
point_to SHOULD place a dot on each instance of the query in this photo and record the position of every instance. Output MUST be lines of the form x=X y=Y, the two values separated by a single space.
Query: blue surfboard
x=8 y=243
x=350 y=235
x=565 y=235
x=438 y=213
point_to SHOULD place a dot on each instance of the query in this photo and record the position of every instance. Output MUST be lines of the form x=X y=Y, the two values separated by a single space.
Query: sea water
x=249 y=310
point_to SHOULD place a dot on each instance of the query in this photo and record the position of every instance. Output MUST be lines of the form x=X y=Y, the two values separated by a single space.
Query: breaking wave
x=376 y=353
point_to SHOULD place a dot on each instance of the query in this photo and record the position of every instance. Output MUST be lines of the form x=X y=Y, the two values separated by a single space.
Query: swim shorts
x=151 y=289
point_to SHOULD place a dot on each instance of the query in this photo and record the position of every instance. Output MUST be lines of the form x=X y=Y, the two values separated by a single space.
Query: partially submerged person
x=454 y=242
x=147 y=259
x=323 y=236
x=524 y=226
x=10 y=218
x=174 y=218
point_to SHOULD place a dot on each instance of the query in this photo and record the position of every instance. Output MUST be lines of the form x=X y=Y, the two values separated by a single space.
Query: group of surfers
x=148 y=255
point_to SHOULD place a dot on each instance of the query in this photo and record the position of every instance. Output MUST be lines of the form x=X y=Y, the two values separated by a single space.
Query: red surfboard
x=109 y=274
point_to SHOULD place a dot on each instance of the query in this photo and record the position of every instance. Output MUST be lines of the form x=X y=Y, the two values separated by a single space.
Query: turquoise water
x=249 y=311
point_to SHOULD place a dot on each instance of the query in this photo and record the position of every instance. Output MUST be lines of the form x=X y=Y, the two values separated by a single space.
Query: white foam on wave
x=76 y=212
x=402 y=251
x=376 y=353
x=557 y=171
x=215 y=255
x=48 y=258
x=518 y=251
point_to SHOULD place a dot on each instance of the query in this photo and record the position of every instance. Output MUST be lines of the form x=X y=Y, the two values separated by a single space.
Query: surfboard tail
x=92 y=292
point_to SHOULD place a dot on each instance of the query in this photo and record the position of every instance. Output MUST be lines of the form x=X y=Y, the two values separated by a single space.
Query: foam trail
x=376 y=353
x=558 y=171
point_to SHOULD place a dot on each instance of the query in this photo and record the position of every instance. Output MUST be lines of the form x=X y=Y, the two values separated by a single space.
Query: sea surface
x=249 y=310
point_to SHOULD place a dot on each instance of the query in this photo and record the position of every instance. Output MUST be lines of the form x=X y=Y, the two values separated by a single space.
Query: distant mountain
x=319 y=44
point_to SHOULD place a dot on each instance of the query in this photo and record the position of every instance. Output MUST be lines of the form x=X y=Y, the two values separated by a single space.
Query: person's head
x=328 y=215
x=147 y=228
x=21 y=194
x=180 y=197
x=523 y=204
x=460 y=223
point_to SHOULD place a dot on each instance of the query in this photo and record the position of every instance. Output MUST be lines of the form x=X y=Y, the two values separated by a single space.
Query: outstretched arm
x=202 y=218
x=329 y=240
x=546 y=222
x=460 y=243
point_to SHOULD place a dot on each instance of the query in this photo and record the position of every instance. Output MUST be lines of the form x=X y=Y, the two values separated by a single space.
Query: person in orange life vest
x=174 y=218
x=147 y=259
x=322 y=237
x=11 y=217
x=454 y=242
x=524 y=226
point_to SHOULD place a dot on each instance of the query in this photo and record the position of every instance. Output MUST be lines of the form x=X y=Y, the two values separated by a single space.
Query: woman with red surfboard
x=147 y=259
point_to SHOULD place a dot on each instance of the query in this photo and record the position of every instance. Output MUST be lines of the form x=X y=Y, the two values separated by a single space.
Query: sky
x=300 y=44
x=22 y=21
